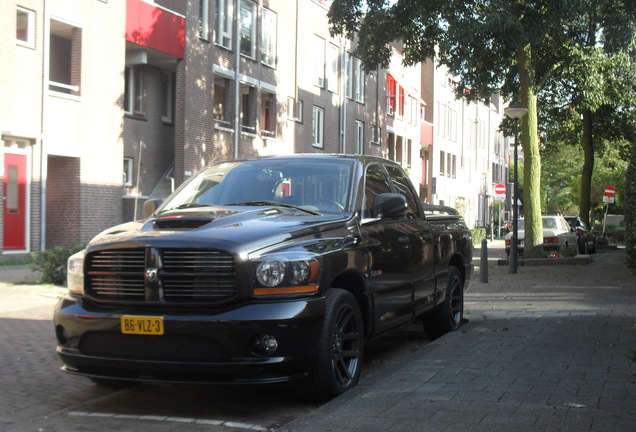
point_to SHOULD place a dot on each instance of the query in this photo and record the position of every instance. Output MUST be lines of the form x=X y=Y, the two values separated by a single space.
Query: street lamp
x=515 y=112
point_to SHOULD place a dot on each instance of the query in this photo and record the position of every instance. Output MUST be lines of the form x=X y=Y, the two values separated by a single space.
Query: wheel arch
x=354 y=283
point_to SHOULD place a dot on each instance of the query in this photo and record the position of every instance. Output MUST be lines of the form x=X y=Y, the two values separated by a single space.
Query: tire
x=338 y=363
x=449 y=315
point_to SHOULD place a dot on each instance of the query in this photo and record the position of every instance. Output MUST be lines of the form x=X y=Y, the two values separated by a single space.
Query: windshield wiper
x=274 y=203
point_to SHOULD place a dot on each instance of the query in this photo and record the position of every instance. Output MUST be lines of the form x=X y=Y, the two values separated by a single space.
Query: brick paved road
x=546 y=349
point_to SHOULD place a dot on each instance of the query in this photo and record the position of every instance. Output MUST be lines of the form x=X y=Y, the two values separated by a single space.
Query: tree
x=511 y=46
x=593 y=83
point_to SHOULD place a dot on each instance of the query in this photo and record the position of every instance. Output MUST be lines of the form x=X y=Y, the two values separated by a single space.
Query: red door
x=14 y=202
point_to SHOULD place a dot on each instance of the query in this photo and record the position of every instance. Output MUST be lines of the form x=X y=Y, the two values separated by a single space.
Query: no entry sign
x=500 y=189
x=610 y=191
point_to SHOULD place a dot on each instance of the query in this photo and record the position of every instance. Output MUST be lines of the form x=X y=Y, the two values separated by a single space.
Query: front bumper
x=197 y=346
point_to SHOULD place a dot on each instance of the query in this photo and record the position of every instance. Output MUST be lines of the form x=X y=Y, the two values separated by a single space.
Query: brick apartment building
x=109 y=102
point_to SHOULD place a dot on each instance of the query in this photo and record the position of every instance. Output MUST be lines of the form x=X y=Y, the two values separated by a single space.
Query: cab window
x=402 y=185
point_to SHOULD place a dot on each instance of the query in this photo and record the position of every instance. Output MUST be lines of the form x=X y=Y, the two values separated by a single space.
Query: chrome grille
x=185 y=276
x=197 y=275
x=117 y=274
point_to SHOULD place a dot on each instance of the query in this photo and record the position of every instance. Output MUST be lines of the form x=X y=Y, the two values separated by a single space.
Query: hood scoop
x=179 y=223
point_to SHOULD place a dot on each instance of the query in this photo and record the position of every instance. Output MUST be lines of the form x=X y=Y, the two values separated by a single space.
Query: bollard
x=483 y=263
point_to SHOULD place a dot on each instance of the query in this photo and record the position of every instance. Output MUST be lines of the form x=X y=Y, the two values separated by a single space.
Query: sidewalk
x=547 y=349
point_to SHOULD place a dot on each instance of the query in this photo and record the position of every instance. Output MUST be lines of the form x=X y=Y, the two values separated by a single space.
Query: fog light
x=264 y=344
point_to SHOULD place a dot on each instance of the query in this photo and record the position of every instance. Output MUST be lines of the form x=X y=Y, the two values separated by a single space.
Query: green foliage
x=478 y=234
x=52 y=264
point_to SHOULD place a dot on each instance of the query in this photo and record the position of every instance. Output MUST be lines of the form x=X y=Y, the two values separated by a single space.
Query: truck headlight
x=290 y=273
x=75 y=273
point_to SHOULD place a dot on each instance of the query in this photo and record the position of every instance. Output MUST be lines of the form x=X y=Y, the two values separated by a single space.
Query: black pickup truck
x=264 y=270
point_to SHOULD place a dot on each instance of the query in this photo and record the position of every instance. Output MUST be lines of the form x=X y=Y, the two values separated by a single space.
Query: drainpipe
x=43 y=156
x=237 y=64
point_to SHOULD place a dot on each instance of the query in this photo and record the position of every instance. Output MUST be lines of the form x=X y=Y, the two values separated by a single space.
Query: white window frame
x=269 y=24
x=30 y=27
x=248 y=7
x=204 y=19
x=224 y=23
x=294 y=109
x=167 y=98
x=318 y=127
x=359 y=80
x=69 y=87
x=375 y=134
x=348 y=75
x=134 y=103
x=128 y=171
x=319 y=62
x=359 y=137
x=332 y=68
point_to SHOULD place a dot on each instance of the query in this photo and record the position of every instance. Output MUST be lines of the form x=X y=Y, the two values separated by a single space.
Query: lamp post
x=515 y=112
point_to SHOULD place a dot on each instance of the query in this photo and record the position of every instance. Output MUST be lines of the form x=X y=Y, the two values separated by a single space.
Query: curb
x=531 y=262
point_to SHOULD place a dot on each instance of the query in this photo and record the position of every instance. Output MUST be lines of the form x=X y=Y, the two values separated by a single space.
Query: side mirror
x=389 y=205
x=150 y=206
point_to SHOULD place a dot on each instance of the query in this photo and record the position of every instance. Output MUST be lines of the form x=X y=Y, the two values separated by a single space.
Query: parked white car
x=557 y=234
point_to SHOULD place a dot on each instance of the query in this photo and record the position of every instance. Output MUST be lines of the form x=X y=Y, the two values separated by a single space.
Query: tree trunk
x=588 y=167
x=533 y=226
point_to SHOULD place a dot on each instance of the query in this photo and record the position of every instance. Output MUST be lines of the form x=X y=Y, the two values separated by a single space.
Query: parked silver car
x=557 y=234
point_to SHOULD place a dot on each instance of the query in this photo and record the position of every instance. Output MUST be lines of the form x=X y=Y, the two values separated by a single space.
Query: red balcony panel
x=426 y=133
x=155 y=28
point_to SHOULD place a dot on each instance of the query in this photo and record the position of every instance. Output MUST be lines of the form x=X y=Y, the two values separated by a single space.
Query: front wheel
x=338 y=363
x=449 y=315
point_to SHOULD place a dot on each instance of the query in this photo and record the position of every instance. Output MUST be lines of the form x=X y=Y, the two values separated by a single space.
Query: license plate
x=141 y=325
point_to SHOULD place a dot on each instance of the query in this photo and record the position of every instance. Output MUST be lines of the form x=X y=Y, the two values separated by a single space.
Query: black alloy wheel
x=449 y=315
x=338 y=363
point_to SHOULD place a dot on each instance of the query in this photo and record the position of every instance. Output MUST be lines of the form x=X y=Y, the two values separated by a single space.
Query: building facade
x=109 y=103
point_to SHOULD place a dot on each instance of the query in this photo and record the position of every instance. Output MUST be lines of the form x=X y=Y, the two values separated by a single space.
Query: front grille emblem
x=151 y=274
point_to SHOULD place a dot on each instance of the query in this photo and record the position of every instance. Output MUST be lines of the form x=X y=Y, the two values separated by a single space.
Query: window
x=167 y=96
x=348 y=76
x=319 y=61
x=376 y=183
x=134 y=90
x=65 y=58
x=317 y=127
x=220 y=108
x=25 y=27
x=248 y=28
x=375 y=134
x=268 y=43
x=359 y=80
x=332 y=68
x=391 y=96
x=128 y=171
x=204 y=20
x=442 y=160
x=247 y=109
x=224 y=23
x=294 y=109
x=401 y=184
x=268 y=114
x=359 y=137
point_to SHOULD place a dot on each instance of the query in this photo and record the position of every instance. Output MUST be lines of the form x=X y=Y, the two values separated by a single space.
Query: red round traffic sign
x=500 y=188
x=610 y=191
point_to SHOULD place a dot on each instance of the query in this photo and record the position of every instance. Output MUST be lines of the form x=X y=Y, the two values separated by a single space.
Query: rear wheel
x=449 y=315
x=338 y=364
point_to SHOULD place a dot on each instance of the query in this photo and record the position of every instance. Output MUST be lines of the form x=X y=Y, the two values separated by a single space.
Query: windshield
x=311 y=185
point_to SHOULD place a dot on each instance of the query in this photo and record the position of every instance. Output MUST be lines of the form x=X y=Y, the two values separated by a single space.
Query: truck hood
x=235 y=228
